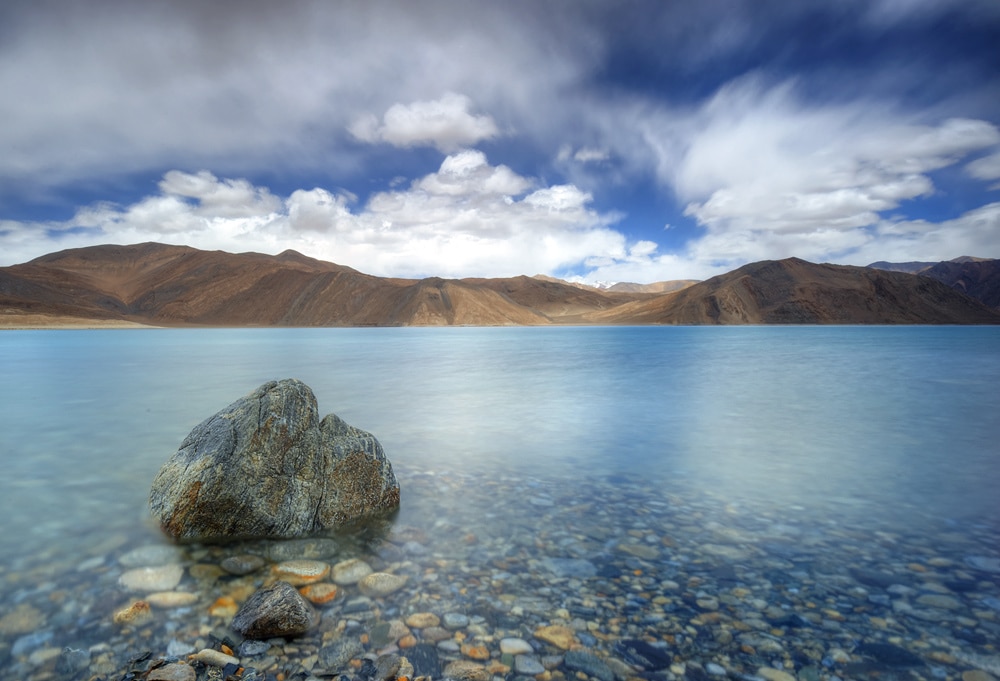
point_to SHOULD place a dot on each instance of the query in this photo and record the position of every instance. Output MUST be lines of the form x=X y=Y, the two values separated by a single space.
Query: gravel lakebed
x=514 y=578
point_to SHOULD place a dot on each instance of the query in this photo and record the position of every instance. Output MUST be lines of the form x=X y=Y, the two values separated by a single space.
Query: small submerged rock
x=350 y=571
x=150 y=579
x=300 y=572
x=242 y=564
x=379 y=584
x=274 y=611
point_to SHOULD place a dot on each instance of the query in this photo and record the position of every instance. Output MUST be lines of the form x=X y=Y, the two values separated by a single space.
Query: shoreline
x=31 y=322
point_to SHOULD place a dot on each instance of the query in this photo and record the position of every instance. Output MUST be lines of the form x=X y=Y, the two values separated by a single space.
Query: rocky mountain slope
x=976 y=277
x=794 y=291
x=180 y=286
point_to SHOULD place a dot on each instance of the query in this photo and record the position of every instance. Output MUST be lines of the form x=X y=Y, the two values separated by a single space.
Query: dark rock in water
x=642 y=654
x=425 y=661
x=266 y=466
x=888 y=655
x=386 y=667
x=589 y=664
x=274 y=611
x=338 y=654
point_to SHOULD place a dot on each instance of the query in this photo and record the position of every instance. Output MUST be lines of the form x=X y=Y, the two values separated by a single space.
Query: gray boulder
x=266 y=466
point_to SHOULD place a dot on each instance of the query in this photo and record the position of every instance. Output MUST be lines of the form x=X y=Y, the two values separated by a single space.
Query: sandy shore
x=41 y=321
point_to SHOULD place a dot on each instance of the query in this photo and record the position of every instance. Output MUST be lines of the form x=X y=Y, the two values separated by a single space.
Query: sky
x=594 y=141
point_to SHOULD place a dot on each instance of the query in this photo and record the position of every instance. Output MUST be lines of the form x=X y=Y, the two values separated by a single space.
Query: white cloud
x=221 y=198
x=590 y=155
x=469 y=218
x=445 y=123
x=986 y=168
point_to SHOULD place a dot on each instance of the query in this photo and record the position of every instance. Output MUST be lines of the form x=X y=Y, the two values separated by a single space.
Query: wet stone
x=643 y=654
x=454 y=620
x=337 y=655
x=515 y=646
x=379 y=584
x=274 y=611
x=242 y=564
x=350 y=571
x=588 y=663
x=175 y=671
x=425 y=660
x=150 y=579
x=423 y=620
x=529 y=665
x=300 y=572
x=153 y=554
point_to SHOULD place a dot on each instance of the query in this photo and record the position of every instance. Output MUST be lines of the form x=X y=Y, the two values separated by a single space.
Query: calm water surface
x=889 y=427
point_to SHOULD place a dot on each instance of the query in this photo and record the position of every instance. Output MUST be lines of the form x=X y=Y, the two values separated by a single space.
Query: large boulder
x=266 y=466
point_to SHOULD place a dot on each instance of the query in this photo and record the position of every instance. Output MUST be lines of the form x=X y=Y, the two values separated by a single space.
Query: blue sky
x=598 y=141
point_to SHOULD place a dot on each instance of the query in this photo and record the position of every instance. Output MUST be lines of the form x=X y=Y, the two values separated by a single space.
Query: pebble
x=319 y=594
x=454 y=620
x=350 y=571
x=515 y=646
x=464 y=670
x=175 y=671
x=977 y=675
x=274 y=611
x=772 y=674
x=300 y=572
x=528 y=665
x=150 y=579
x=558 y=635
x=242 y=564
x=137 y=612
x=588 y=663
x=215 y=658
x=151 y=554
x=715 y=669
x=423 y=620
x=21 y=620
x=379 y=584
x=940 y=601
x=171 y=599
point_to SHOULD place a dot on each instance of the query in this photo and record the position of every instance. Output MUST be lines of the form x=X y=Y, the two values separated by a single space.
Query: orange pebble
x=408 y=641
x=226 y=649
x=475 y=652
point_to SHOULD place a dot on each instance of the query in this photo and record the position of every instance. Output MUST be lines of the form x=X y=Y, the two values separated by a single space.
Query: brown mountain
x=975 y=277
x=794 y=291
x=177 y=285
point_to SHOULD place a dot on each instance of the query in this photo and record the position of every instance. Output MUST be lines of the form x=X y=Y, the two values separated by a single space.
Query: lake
x=818 y=501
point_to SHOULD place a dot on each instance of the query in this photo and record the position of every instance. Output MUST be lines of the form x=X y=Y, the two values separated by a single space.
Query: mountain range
x=163 y=285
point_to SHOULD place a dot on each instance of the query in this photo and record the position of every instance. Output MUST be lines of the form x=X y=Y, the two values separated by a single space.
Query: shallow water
x=806 y=450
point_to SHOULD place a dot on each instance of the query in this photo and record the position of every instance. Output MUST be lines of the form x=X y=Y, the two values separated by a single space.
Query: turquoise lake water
x=884 y=419
x=868 y=428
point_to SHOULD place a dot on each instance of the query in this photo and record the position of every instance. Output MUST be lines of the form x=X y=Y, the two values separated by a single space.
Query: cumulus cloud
x=446 y=123
x=469 y=218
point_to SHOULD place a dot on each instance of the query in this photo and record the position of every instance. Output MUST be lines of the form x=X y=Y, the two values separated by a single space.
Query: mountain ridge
x=165 y=285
